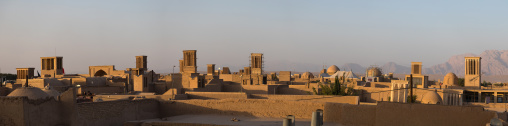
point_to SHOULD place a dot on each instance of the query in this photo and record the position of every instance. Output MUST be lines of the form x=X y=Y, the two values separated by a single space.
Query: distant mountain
x=356 y=68
x=389 y=67
x=392 y=67
x=494 y=62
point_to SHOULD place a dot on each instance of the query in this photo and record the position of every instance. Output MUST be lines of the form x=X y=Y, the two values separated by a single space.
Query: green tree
x=334 y=89
x=461 y=82
x=8 y=76
x=485 y=83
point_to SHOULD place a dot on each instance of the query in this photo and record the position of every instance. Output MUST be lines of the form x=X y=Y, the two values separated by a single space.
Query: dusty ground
x=226 y=120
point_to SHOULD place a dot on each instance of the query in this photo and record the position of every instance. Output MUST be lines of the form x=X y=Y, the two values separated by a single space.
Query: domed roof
x=451 y=75
x=31 y=92
x=450 y=79
x=374 y=72
x=332 y=69
x=307 y=75
x=431 y=97
x=52 y=93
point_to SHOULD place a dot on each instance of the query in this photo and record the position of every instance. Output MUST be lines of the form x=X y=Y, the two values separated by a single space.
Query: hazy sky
x=307 y=33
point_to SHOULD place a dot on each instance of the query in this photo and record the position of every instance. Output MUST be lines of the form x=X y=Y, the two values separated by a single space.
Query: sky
x=290 y=33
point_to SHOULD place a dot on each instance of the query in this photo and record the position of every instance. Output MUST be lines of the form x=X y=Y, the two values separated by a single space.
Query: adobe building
x=256 y=63
x=158 y=98
x=52 y=67
x=472 y=77
x=419 y=80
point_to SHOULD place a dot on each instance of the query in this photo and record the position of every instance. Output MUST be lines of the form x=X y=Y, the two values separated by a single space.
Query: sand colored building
x=52 y=67
x=451 y=80
x=419 y=80
x=256 y=63
x=473 y=69
x=139 y=96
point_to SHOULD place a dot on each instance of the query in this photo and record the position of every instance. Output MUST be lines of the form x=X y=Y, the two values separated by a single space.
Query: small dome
x=374 y=72
x=52 y=93
x=431 y=97
x=31 y=92
x=307 y=75
x=332 y=69
x=451 y=79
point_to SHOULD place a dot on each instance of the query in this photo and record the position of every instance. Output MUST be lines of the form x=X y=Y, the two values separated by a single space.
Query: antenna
x=55 y=51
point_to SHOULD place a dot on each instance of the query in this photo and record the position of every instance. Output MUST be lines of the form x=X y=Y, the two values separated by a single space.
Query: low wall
x=20 y=111
x=127 y=97
x=43 y=112
x=249 y=89
x=4 y=91
x=490 y=105
x=216 y=95
x=100 y=90
x=318 y=98
x=400 y=114
x=297 y=89
x=241 y=107
x=346 y=114
x=11 y=111
x=115 y=113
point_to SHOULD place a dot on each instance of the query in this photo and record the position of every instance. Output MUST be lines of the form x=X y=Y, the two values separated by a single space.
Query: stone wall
x=115 y=113
x=310 y=98
x=430 y=115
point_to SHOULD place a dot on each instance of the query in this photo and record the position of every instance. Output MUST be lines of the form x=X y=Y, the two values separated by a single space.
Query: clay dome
x=431 y=97
x=332 y=69
x=374 y=72
x=31 y=92
x=451 y=79
x=307 y=75
x=52 y=93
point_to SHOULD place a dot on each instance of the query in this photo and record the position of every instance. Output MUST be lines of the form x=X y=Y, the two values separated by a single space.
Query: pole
x=26 y=83
x=411 y=86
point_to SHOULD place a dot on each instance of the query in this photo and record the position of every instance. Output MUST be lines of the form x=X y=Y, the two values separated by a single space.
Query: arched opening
x=100 y=73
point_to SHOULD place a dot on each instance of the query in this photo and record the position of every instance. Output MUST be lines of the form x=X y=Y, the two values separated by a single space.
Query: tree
x=334 y=89
x=461 y=82
x=9 y=76
x=485 y=83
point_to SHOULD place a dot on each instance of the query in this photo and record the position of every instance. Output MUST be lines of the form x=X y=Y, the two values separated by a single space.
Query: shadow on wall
x=293 y=91
x=172 y=108
x=216 y=95
x=362 y=115
x=115 y=113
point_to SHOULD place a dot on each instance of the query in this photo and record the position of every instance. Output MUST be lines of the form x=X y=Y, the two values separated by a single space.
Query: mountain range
x=494 y=62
